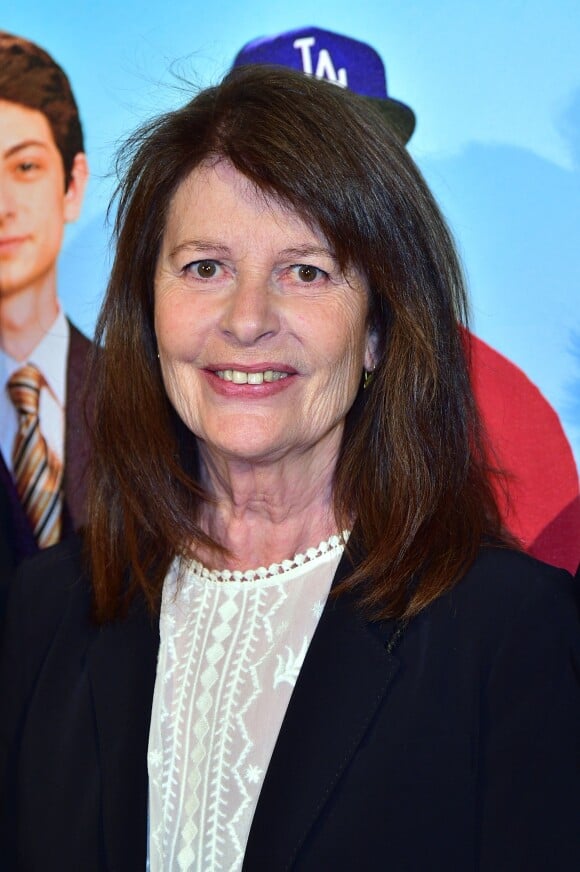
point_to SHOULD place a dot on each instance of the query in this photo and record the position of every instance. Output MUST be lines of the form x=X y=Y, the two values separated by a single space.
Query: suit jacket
x=15 y=531
x=451 y=744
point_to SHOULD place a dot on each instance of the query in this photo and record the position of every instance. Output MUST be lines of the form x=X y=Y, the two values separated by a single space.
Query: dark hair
x=30 y=77
x=412 y=471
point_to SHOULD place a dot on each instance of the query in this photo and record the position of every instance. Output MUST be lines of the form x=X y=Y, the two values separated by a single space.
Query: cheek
x=166 y=331
x=47 y=202
x=47 y=218
x=340 y=363
x=343 y=345
x=175 y=331
x=181 y=382
x=182 y=321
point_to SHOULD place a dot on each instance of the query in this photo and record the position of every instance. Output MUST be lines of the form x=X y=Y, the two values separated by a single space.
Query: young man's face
x=34 y=205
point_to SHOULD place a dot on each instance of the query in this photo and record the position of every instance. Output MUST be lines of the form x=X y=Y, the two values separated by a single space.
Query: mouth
x=11 y=243
x=241 y=377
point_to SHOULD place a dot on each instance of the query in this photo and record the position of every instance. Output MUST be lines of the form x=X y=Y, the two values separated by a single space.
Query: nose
x=251 y=314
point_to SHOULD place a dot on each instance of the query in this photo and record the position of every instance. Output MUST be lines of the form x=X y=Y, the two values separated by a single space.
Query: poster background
x=496 y=91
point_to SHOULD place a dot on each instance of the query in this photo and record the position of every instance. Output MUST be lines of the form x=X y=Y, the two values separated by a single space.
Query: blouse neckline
x=309 y=558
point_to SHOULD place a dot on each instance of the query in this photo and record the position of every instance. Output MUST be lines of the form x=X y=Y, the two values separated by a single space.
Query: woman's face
x=262 y=339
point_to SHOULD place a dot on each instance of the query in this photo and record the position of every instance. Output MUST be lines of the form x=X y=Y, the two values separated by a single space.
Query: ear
x=73 y=198
x=371 y=350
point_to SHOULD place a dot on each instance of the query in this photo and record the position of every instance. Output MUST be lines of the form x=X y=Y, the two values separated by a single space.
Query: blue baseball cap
x=347 y=62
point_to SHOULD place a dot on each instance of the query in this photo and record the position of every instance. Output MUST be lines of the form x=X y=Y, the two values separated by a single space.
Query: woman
x=283 y=386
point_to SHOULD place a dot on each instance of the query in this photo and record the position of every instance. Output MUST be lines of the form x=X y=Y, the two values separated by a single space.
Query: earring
x=368 y=377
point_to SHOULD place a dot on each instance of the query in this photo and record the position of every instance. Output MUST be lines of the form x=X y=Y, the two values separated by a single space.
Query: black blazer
x=455 y=748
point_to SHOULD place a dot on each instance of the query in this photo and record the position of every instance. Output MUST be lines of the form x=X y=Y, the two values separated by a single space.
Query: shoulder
x=505 y=580
x=505 y=598
x=46 y=591
x=53 y=571
x=510 y=563
x=507 y=605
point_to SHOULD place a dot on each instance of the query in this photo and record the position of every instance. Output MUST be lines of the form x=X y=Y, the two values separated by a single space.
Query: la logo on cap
x=339 y=59
x=325 y=68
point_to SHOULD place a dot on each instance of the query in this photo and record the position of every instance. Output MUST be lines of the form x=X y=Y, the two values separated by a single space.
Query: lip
x=248 y=391
x=251 y=367
x=9 y=244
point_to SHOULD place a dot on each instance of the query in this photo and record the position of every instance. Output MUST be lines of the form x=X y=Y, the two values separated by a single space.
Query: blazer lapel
x=122 y=665
x=342 y=682
x=18 y=533
x=76 y=436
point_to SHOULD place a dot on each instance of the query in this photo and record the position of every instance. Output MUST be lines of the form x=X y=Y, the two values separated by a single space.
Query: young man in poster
x=43 y=173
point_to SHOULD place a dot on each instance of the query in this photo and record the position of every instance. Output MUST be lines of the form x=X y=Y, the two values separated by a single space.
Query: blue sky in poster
x=496 y=90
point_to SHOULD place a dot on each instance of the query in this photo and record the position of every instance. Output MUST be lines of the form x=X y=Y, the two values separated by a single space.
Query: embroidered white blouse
x=231 y=647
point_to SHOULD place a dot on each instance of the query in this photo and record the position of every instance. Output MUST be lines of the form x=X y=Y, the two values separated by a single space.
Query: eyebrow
x=28 y=143
x=307 y=251
x=199 y=245
x=294 y=252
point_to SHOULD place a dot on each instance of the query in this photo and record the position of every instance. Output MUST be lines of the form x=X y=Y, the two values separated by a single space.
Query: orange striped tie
x=37 y=470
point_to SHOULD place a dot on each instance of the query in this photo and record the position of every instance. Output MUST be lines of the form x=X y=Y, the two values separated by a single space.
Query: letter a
x=325 y=70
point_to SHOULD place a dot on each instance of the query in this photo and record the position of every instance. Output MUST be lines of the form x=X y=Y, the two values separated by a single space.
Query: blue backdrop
x=496 y=90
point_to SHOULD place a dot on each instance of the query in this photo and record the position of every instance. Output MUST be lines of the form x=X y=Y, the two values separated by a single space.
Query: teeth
x=238 y=377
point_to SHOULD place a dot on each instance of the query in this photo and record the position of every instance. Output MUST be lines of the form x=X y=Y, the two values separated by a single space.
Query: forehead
x=212 y=192
x=20 y=124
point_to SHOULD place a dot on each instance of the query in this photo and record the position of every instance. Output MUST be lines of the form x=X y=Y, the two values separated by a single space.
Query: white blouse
x=231 y=647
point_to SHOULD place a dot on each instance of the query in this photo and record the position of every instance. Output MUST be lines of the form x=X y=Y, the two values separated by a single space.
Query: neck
x=267 y=512
x=26 y=317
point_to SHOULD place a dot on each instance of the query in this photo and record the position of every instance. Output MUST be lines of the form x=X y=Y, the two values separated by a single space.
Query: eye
x=27 y=167
x=307 y=273
x=203 y=269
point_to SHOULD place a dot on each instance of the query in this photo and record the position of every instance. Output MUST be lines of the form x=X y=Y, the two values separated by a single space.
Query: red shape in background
x=542 y=507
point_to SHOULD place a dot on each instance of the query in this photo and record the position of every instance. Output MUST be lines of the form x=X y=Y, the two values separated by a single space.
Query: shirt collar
x=50 y=356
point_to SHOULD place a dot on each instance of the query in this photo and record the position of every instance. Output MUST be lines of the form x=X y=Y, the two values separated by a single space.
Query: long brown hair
x=412 y=471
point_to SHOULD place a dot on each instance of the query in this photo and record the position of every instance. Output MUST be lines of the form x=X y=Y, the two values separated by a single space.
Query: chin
x=256 y=452
x=248 y=438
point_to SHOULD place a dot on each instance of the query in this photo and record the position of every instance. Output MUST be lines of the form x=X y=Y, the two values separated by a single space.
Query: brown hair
x=30 y=77
x=412 y=470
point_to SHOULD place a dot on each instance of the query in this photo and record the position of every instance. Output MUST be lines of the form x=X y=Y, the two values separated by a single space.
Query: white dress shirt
x=50 y=357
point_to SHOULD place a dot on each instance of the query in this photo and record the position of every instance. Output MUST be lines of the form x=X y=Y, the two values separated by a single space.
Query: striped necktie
x=37 y=469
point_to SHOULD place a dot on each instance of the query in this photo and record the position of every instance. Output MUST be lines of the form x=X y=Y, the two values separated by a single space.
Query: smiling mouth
x=239 y=377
